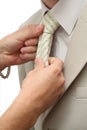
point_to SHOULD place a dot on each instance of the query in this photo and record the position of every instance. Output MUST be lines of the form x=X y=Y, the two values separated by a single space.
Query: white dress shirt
x=66 y=12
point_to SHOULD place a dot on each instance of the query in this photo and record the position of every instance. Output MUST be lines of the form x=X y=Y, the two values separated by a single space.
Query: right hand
x=40 y=89
x=44 y=85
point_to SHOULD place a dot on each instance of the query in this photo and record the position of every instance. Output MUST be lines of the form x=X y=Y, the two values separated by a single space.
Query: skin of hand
x=40 y=89
x=20 y=46
x=44 y=82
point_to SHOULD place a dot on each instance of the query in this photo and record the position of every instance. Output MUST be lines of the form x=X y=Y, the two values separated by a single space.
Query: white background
x=12 y=14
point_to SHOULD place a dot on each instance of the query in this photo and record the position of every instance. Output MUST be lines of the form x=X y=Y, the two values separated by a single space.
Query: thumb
x=29 y=31
x=39 y=64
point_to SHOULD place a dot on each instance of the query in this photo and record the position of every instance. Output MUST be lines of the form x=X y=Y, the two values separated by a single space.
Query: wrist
x=31 y=102
x=20 y=116
x=26 y=109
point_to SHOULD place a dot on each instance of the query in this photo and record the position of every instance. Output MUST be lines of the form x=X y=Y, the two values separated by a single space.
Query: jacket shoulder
x=34 y=19
x=83 y=14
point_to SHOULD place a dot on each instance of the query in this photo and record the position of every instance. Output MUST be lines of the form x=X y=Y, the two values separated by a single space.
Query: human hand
x=20 y=46
x=40 y=89
x=43 y=85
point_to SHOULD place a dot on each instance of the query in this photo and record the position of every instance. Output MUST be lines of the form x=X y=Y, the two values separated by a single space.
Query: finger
x=55 y=66
x=39 y=63
x=62 y=79
x=31 y=42
x=62 y=74
x=29 y=31
x=27 y=57
x=30 y=49
x=53 y=60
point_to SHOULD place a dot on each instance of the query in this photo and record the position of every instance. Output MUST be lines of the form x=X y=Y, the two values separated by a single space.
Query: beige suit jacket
x=70 y=113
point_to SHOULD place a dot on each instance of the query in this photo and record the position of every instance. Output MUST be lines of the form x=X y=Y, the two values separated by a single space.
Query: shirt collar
x=66 y=12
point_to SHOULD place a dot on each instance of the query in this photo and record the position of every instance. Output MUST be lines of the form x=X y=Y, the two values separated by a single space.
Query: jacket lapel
x=77 y=54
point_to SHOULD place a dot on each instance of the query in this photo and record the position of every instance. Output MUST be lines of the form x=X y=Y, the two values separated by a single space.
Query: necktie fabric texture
x=43 y=51
x=45 y=40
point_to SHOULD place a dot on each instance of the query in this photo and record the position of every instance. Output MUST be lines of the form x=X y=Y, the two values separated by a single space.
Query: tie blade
x=44 y=47
x=45 y=40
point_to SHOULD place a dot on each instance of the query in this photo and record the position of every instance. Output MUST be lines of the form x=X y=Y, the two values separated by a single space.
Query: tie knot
x=50 y=23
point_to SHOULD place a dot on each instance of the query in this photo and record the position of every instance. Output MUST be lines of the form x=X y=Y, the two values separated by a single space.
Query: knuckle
x=61 y=63
x=62 y=80
x=57 y=70
x=26 y=27
x=58 y=67
x=30 y=27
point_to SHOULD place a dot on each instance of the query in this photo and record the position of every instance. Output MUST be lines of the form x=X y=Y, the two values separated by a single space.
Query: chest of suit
x=70 y=113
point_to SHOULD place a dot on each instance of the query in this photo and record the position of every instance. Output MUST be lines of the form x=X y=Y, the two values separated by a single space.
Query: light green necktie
x=45 y=40
x=43 y=51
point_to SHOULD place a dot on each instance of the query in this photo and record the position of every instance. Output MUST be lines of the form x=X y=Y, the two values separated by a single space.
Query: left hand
x=20 y=46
